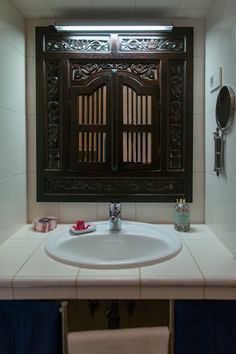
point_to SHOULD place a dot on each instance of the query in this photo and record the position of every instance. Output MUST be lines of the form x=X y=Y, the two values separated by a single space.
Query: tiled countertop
x=204 y=269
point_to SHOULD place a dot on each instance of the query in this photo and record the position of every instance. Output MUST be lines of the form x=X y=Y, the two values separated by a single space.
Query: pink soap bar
x=45 y=224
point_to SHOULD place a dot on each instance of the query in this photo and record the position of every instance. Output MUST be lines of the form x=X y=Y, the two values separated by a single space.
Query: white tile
x=108 y=283
x=210 y=128
x=38 y=14
x=4 y=23
x=107 y=4
x=5 y=209
x=155 y=212
x=13 y=254
x=199 y=37
x=198 y=85
x=47 y=292
x=105 y=9
x=12 y=67
x=12 y=206
x=74 y=14
x=31 y=4
x=6 y=293
x=215 y=262
x=108 y=277
x=12 y=25
x=198 y=143
x=31 y=143
x=204 y=4
x=226 y=222
x=180 y=270
x=102 y=211
x=12 y=145
x=16 y=35
x=38 y=209
x=31 y=86
x=197 y=232
x=229 y=153
x=74 y=4
x=43 y=270
x=19 y=202
x=220 y=292
x=30 y=38
x=161 y=3
x=172 y=292
x=110 y=293
x=27 y=232
x=197 y=207
x=191 y=13
x=152 y=13
x=70 y=212
x=128 y=211
x=212 y=201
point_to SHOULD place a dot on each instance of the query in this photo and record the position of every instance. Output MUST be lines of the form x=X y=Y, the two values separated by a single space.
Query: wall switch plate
x=216 y=80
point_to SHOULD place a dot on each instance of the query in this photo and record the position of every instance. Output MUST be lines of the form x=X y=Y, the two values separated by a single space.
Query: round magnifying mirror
x=225 y=107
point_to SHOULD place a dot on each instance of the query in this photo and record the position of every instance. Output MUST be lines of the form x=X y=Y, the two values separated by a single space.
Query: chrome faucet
x=115 y=216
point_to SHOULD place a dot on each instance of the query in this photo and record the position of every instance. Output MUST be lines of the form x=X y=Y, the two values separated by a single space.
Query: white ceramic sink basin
x=137 y=244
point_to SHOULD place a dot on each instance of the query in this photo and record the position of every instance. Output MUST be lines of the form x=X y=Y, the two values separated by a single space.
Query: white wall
x=221 y=191
x=148 y=212
x=12 y=120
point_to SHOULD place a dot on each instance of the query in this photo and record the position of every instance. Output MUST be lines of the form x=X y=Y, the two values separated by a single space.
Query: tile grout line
x=198 y=267
x=28 y=258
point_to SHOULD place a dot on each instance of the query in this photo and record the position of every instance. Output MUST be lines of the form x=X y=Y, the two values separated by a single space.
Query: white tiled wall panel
x=221 y=191
x=12 y=121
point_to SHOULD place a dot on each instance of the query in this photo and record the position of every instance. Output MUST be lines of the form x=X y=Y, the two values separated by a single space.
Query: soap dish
x=90 y=228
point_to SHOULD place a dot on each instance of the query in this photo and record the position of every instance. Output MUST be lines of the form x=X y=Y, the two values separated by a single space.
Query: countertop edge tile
x=6 y=293
x=108 y=292
x=172 y=292
x=45 y=293
x=42 y=282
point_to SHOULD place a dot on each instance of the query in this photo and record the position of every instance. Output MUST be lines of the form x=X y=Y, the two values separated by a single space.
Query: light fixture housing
x=113 y=28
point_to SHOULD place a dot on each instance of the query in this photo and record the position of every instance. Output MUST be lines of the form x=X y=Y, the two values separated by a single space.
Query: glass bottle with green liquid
x=182 y=216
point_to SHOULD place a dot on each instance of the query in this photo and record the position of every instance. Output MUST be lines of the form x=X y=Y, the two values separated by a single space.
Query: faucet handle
x=115 y=216
x=115 y=209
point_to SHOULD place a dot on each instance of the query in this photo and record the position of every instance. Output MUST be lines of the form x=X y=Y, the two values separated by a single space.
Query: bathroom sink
x=137 y=244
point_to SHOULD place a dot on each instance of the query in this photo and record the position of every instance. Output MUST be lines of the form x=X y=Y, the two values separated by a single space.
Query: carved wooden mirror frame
x=114 y=115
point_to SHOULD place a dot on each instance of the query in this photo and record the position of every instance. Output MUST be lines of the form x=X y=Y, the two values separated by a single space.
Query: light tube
x=141 y=28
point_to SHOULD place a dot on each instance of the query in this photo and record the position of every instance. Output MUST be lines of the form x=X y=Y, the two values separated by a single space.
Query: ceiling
x=168 y=10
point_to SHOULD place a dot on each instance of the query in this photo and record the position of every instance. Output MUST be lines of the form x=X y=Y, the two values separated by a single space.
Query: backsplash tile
x=70 y=212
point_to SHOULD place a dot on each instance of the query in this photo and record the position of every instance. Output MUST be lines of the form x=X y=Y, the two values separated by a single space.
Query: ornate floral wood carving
x=151 y=44
x=110 y=186
x=81 y=71
x=53 y=114
x=79 y=44
x=176 y=104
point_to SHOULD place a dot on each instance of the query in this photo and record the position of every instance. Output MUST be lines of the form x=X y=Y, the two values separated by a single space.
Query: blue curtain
x=205 y=327
x=30 y=327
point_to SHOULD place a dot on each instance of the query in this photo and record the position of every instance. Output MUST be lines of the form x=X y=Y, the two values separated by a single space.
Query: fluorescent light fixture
x=132 y=28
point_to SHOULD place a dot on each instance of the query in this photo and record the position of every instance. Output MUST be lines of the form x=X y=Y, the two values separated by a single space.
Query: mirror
x=225 y=107
x=225 y=111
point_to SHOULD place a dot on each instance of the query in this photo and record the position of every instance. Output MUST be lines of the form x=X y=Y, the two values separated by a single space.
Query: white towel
x=149 y=340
